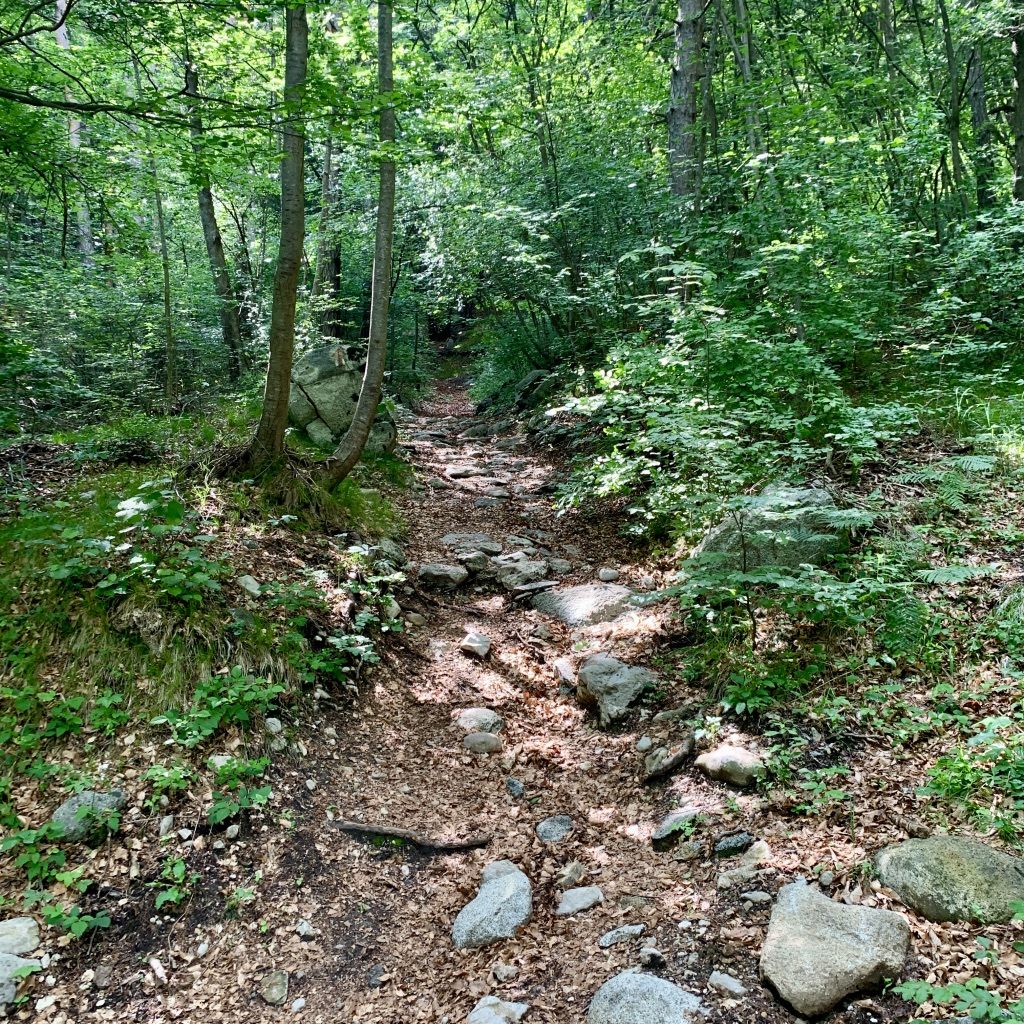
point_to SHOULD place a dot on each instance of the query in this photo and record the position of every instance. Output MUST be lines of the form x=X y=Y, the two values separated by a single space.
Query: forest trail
x=381 y=947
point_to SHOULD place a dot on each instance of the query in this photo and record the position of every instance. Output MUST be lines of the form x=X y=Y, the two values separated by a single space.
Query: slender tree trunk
x=86 y=241
x=953 y=110
x=682 y=106
x=358 y=433
x=325 y=218
x=1018 y=114
x=228 y=303
x=984 y=171
x=268 y=444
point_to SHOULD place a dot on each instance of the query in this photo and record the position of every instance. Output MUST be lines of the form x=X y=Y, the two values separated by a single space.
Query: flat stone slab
x=624 y=933
x=19 y=935
x=585 y=605
x=440 y=574
x=472 y=542
x=946 y=878
x=818 y=951
x=503 y=904
x=635 y=998
x=575 y=901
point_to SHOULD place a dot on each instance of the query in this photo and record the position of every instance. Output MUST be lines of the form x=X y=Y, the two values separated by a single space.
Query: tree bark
x=268 y=444
x=1018 y=114
x=953 y=110
x=984 y=169
x=228 y=303
x=682 y=107
x=352 y=444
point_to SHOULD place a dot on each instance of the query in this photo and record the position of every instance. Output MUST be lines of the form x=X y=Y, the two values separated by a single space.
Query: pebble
x=273 y=725
x=826 y=878
x=733 y=845
x=504 y=972
x=376 y=976
x=575 y=901
x=644 y=744
x=515 y=788
x=311 y=784
x=274 y=988
x=541 y=631
x=305 y=931
x=621 y=934
x=166 y=824
x=415 y=619
x=608 y=575
x=757 y=896
x=476 y=644
x=726 y=984
x=231 y=832
x=483 y=743
x=554 y=829
x=652 y=957
x=102 y=976
x=298 y=1005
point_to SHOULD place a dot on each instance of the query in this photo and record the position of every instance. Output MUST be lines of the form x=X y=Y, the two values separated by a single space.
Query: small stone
x=480 y=720
x=415 y=619
x=102 y=976
x=376 y=976
x=689 y=850
x=491 y=1010
x=569 y=874
x=674 y=823
x=274 y=726
x=542 y=631
x=476 y=644
x=305 y=931
x=166 y=824
x=575 y=901
x=635 y=998
x=734 y=765
x=826 y=878
x=644 y=744
x=665 y=761
x=311 y=784
x=439 y=574
x=231 y=832
x=392 y=609
x=184 y=833
x=84 y=815
x=483 y=743
x=625 y=933
x=515 y=788
x=18 y=935
x=250 y=585
x=202 y=949
x=612 y=685
x=504 y=972
x=565 y=671
x=726 y=984
x=554 y=829
x=607 y=575
x=274 y=988
x=734 y=844
x=298 y=1005
x=652 y=957
x=560 y=566
x=756 y=896
x=745 y=867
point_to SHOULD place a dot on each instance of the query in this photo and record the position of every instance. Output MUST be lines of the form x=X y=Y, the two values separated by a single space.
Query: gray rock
x=274 y=726
x=611 y=685
x=783 y=527
x=560 y=566
x=439 y=574
x=635 y=998
x=745 y=867
x=250 y=585
x=515 y=788
x=462 y=472
x=565 y=671
x=756 y=896
x=376 y=976
x=644 y=744
x=305 y=931
x=474 y=561
x=80 y=816
x=324 y=391
x=690 y=850
x=575 y=901
x=472 y=542
x=390 y=552
x=817 y=951
x=504 y=972
x=103 y=974
x=652 y=957
x=415 y=619
x=585 y=605
x=625 y=933
x=946 y=878
x=274 y=988
x=298 y=1005
x=476 y=644
x=10 y=965
x=569 y=874
x=554 y=829
x=483 y=743
x=491 y=1010
x=480 y=720
x=166 y=824
x=503 y=904
x=19 y=935
x=674 y=823
x=735 y=765
x=513 y=572
x=488 y=502
x=726 y=984
x=665 y=761
x=733 y=845
x=607 y=575
x=542 y=631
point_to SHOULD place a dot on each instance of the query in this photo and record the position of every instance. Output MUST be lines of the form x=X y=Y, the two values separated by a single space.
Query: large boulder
x=503 y=905
x=947 y=878
x=783 y=527
x=635 y=998
x=324 y=392
x=611 y=685
x=585 y=605
x=817 y=951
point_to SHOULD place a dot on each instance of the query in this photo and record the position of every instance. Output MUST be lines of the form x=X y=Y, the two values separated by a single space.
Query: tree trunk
x=1018 y=115
x=984 y=170
x=86 y=242
x=228 y=303
x=358 y=433
x=682 y=107
x=953 y=110
x=268 y=444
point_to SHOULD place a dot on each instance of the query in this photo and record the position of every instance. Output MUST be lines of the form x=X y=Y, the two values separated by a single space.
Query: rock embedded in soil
x=503 y=904
x=624 y=933
x=947 y=878
x=515 y=788
x=472 y=542
x=607 y=575
x=611 y=685
x=745 y=867
x=10 y=979
x=554 y=829
x=733 y=845
x=491 y=1010
x=664 y=761
x=734 y=765
x=274 y=988
x=480 y=720
x=674 y=823
x=726 y=984
x=82 y=816
x=439 y=574
x=19 y=935
x=483 y=743
x=818 y=951
x=250 y=585
x=635 y=998
x=585 y=605
x=575 y=901
x=476 y=644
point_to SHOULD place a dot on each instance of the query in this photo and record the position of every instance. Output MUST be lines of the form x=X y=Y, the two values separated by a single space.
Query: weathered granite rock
x=735 y=765
x=324 y=392
x=783 y=527
x=611 y=685
x=472 y=542
x=947 y=878
x=575 y=901
x=635 y=998
x=491 y=1010
x=664 y=761
x=19 y=935
x=585 y=605
x=483 y=743
x=503 y=904
x=439 y=574
x=274 y=988
x=10 y=979
x=674 y=824
x=624 y=933
x=81 y=816
x=476 y=644
x=554 y=829
x=480 y=720
x=818 y=951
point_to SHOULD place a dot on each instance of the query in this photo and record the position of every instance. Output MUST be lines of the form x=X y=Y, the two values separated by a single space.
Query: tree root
x=414 y=838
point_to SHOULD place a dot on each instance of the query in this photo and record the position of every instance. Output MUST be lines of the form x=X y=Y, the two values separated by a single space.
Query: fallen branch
x=415 y=838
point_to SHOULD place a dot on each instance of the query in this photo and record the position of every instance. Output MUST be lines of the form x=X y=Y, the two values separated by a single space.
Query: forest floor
x=379 y=949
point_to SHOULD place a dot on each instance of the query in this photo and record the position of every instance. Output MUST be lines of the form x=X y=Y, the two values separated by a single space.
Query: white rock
x=726 y=984
x=250 y=585
x=476 y=644
x=575 y=901
x=635 y=998
x=480 y=720
x=612 y=685
x=734 y=765
x=18 y=935
x=491 y=1010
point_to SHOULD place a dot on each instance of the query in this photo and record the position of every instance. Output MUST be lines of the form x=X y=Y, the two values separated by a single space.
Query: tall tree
x=1018 y=113
x=352 y=444
x=682 y=105
x=268 y=444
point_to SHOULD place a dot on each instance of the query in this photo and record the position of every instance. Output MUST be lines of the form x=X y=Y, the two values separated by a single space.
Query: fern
x=973 y=463
x=944 y=574
x=906 y=627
